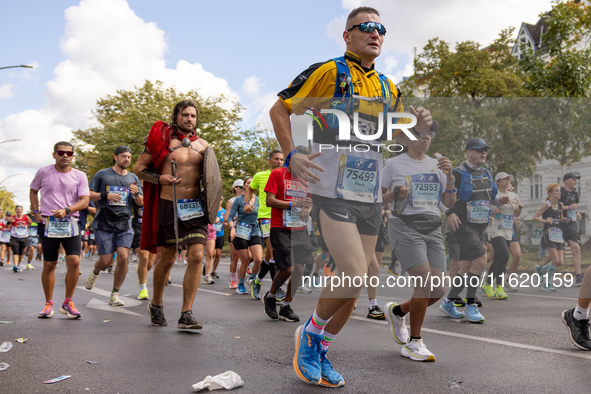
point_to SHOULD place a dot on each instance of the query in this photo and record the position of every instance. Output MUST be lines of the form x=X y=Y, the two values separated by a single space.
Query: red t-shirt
x=285 y=189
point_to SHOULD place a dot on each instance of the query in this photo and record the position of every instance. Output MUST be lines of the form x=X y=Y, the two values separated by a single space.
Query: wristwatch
x=68 y=211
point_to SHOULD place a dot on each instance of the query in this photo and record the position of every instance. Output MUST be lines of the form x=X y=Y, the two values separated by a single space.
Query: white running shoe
x=115 y=301
x=396 y=324
x=417 y=351
x=304 y=289
x=89 y=282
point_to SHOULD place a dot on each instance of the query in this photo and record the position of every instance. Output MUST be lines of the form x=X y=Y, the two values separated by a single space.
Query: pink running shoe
x=70 y=310
x=47 y=312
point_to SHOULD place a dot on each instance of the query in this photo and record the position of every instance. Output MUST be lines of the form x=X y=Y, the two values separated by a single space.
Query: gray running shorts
x=413 y=248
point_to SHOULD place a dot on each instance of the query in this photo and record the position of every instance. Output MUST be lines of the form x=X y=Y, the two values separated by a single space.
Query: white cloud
x=257 y=102
x=6 y=91
x=107 y=47
x=412 y=24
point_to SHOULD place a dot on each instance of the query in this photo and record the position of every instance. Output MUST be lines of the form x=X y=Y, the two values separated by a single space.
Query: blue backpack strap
x=493 y=184
x=343 y=83
x=466 y=186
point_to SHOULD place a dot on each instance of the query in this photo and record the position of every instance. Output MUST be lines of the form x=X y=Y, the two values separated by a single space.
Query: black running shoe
x=375 y=313
x=286 y=314
x=110 y=269
x=476 y=301
x=187 y=321
x=458 y=302
x=578 y=330
x=270 y=307
x=214 y=275
x=1 y=263
x=157 y=315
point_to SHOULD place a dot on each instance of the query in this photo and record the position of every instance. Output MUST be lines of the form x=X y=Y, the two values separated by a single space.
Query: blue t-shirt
x=248 y=218
x=221 y=214
x=113 y=217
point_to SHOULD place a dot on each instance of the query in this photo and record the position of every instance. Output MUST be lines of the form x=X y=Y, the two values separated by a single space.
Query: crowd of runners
x=312 y=213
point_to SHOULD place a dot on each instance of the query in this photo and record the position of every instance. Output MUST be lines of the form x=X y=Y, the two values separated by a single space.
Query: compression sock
x=472 y=284
x=263 y=270
x=327 y=340
x=316 y=324
x=457 y=285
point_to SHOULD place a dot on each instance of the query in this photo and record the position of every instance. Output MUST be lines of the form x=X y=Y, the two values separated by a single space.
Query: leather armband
x=150 y=176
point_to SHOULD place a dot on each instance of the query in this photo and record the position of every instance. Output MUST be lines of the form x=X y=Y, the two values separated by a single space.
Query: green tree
x=561 y=74
x=475 y=92
x=126 y=118
x=6 y=200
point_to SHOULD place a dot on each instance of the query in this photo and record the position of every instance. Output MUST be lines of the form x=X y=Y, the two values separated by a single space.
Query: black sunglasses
x=69 y=153
x=370 y=27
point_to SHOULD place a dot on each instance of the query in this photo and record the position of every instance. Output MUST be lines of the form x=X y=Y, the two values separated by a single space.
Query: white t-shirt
x=423 y=178
x=503 y=225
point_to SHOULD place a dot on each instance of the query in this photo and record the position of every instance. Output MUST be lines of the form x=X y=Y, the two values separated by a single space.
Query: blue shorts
x=33 y=241
x=107 y=243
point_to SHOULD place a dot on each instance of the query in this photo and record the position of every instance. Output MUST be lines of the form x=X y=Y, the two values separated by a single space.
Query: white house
x=532 y=193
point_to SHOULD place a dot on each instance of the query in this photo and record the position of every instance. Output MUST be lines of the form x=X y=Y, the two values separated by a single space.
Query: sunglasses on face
x=64 y=152
x=369 y=27
x=481 y=150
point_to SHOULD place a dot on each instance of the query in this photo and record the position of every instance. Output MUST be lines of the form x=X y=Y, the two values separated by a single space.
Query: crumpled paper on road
x=228 y=380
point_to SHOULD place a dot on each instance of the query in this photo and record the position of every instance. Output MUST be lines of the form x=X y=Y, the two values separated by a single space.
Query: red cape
x=158 y=145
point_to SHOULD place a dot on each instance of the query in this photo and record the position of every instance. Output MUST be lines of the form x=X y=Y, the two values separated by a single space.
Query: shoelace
x=71 y=306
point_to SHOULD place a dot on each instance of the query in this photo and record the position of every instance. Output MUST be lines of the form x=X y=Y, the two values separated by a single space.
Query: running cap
x=569 y=175
x=237 y=183
x=476 y=143
x=122 y=149
x=8 y=213
x=503 y=175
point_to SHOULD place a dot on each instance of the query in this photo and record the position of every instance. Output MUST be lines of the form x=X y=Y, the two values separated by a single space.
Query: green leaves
x=126 y=118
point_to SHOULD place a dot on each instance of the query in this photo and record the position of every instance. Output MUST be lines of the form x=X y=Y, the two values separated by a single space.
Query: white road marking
x=573 y=353
x=104 y=306
x=207 y=291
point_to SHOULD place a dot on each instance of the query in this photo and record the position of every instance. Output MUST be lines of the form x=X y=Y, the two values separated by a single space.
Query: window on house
x=535 y=187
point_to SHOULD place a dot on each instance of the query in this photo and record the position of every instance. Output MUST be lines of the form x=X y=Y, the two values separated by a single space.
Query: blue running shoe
x=472 y=313
x=241 y=289
x=548 y=288
x=448 y=307
x=306 y=361
x=330 y=377
x=15 y=269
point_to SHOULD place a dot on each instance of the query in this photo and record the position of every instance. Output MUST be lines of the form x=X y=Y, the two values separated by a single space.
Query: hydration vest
x=467 y=183
x=343 y=90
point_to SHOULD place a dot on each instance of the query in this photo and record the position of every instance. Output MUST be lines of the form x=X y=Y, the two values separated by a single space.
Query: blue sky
x=85 y=49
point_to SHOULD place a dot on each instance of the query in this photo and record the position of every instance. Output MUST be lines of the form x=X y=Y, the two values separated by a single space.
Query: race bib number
x=506 y=222
x=121 y=191
x=59 y=228
x=310 y=225
x=6 y=234
x=555 y=235
x=92 y=236
x=243 y=230
x=291 y=218
x=218 y=226
x=358 y=179
x=266 y=227
x=425 y=190
x=478 y=211
x=189 y=208
x=21 y=231
x=33 y=231
x=140 y=213
x=572 y=215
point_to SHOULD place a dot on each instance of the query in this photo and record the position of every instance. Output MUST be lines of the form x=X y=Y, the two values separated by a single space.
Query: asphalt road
x=522 y=347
